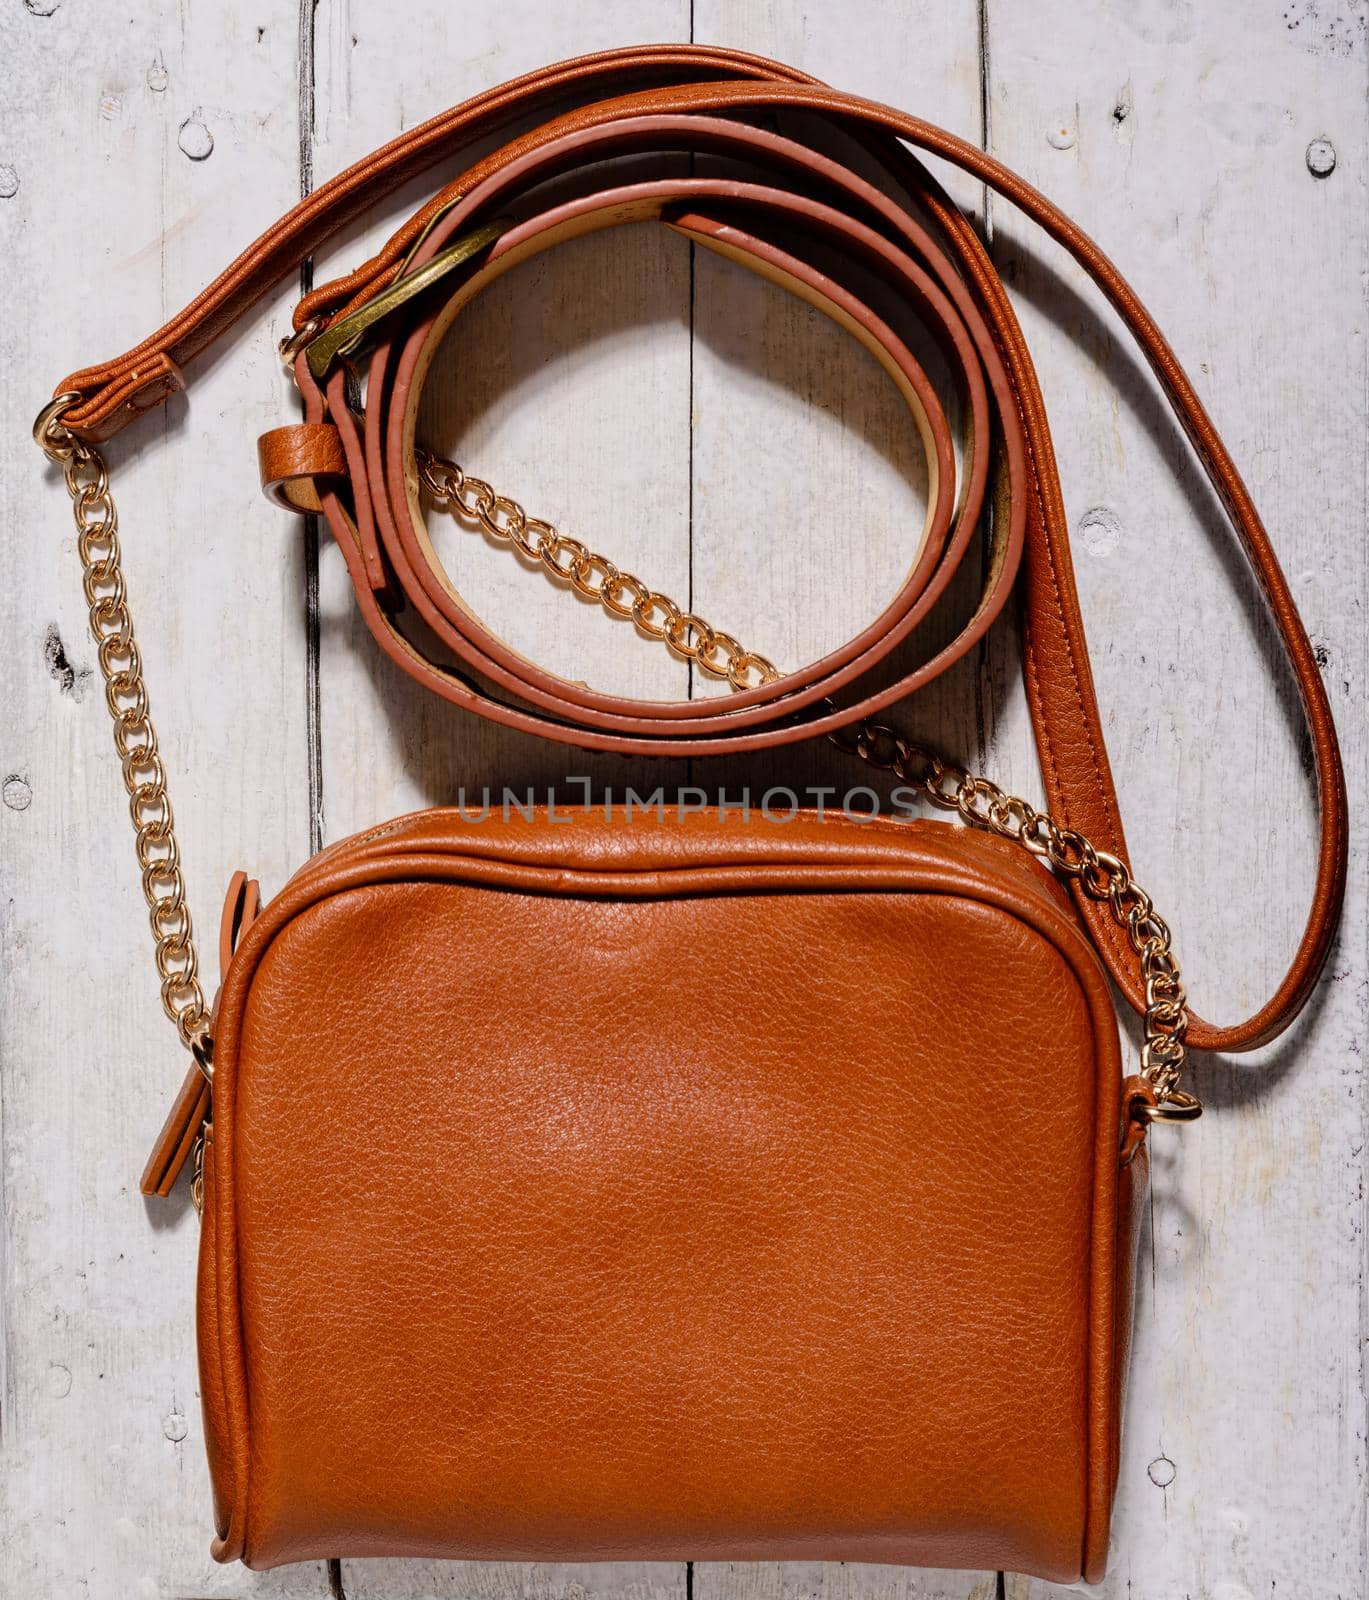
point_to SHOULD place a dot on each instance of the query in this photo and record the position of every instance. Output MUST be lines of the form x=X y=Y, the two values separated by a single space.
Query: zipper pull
x=182 y=1132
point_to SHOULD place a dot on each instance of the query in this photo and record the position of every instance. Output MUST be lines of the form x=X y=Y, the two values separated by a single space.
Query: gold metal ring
x=47 y=423
x=1177 y=1106
x=291 y=345
x=202 y=1049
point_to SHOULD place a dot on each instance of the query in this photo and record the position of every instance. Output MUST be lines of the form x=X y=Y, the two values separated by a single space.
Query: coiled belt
x=811 y=223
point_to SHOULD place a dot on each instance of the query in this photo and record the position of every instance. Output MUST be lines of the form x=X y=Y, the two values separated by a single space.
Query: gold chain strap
x=978 y=801
x=1104 y=877
x=594 y=576
x=135 y=739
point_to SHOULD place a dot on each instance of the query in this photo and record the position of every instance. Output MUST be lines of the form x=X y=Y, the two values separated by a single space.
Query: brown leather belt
x=380 y=526
x=806 y=220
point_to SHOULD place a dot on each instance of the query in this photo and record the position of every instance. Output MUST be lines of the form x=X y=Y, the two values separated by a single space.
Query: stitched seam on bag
x=236 y=1537
x=1090 y=1365
x=1033 y=680
x=245 y=1472
x=968 y=234
x=216 y=1353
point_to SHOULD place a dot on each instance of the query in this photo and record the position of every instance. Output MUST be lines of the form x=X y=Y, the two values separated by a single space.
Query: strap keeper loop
x=294 y=458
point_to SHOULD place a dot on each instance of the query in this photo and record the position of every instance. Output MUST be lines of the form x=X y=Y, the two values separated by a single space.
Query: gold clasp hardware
x=345 y=335
x=291 y=345
x=1177 y=1106
x=197 y=1171
x=202 y=1051
x=49 y=434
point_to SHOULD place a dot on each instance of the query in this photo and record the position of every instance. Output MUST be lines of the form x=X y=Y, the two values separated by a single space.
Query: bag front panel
x=715 y=1226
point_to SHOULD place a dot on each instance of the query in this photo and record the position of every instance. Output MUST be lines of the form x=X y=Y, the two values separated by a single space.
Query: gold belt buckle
x=344 y=336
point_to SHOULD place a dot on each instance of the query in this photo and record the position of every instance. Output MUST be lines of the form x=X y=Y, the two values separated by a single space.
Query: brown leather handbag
x=706 y=1258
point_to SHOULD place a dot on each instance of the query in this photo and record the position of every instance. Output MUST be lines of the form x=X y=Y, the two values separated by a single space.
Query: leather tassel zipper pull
x=182 y=1134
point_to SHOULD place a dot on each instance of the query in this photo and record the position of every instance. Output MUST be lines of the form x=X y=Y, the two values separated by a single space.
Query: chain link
x=1103 y=876
x=594 y=576
x=977 y=801
x=135 y=738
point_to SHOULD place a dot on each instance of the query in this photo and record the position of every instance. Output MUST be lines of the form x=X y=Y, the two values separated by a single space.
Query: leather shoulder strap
x=682 y=78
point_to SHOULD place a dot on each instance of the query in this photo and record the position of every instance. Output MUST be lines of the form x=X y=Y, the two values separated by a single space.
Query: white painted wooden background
x=612 y=389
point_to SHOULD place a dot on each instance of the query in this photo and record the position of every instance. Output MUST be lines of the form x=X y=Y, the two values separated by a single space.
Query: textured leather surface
x=667 y=1188
x=295 y=459
x=705 y=85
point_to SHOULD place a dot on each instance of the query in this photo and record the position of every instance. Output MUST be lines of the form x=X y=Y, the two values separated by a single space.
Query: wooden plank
x=566 y=386
x=498 y=1580
x=1185 y=142
x=809 y=484
x=808 y=492
x=140 y=152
